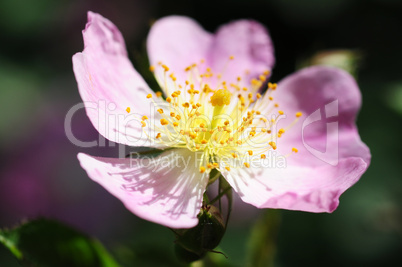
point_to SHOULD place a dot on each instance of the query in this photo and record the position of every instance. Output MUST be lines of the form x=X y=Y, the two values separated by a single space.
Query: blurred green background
x=40 y=175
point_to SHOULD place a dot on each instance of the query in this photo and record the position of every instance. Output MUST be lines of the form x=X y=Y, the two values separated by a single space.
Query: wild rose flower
x=213 y=116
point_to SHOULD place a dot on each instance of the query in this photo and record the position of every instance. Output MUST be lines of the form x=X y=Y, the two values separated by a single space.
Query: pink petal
x=250 y=44
x=108 y=84
x=167 y=189
x=180 y=41
x=331 y=96
x=296 y=187
x=306 y=180
x=177 y=42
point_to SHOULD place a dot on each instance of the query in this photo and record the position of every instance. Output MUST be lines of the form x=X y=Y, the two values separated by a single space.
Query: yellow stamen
x=272 y=144
x=272 y=86
x=166 y=68
x=202 y=169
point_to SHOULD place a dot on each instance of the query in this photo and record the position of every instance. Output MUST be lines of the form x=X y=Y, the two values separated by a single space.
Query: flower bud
x=192 y=244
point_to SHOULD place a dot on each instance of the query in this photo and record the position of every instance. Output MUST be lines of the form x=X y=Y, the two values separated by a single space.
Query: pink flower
x=214 y=117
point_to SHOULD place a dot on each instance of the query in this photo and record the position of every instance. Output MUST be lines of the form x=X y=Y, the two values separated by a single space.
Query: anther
x=272 y=86
x=272 y=144
x=164 y=122
x=166 y=68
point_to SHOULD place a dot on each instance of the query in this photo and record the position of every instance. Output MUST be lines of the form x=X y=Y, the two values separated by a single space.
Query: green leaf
x=45 y=242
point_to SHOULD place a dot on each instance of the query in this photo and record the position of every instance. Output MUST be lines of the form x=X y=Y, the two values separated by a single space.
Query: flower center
x=204 y=116
x=220 y=98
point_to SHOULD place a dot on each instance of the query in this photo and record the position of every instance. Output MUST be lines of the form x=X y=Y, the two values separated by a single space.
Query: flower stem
x=221 y=194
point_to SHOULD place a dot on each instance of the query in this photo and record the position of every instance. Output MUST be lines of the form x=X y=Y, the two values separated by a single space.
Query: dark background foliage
x=40 y=175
